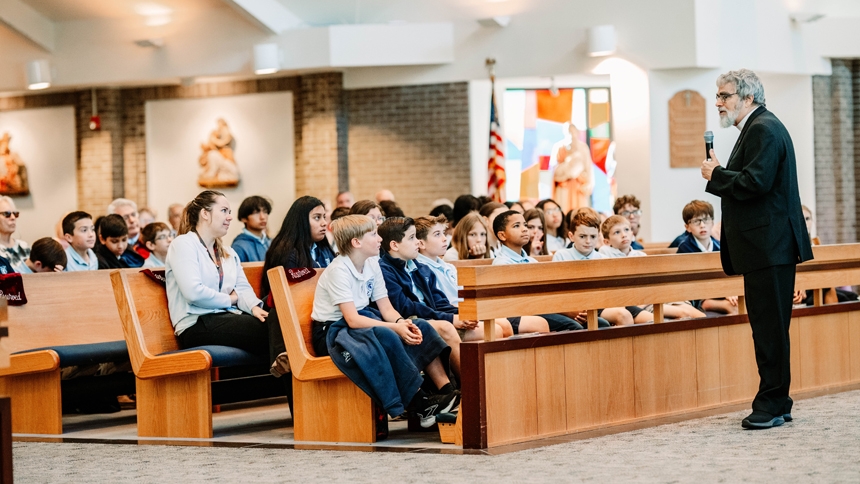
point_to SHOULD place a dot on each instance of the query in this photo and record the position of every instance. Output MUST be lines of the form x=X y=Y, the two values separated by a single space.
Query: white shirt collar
x=262 y=239
x=745 y=118
x=521 y=258
x=430 y=262
x=709 y=248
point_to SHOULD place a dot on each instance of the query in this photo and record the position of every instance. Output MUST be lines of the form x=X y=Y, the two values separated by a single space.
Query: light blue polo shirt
x=410 y=268
x=77 y=263
x=506 y=256
x=446 y=277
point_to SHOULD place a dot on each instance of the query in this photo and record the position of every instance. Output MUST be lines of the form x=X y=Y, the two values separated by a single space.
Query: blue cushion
x=225 y=356
x=88 y=354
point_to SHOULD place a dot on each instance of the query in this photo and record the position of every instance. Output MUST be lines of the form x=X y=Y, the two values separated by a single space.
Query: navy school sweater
x=399 y=286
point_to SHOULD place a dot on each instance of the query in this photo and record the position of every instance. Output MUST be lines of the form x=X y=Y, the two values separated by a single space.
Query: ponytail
x=191 y=217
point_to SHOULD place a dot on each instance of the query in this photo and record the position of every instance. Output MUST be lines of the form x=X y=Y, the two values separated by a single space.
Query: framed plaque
x=686 y=128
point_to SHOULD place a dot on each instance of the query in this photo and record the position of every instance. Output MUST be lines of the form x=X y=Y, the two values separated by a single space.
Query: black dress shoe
x=762 y=420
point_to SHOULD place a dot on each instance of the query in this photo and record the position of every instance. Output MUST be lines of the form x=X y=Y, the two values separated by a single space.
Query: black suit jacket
x=762 y=220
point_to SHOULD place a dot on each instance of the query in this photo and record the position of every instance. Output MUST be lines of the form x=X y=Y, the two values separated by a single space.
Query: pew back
x=66 y=308
x=149 y=300
x=634 y=373
x=254 y=274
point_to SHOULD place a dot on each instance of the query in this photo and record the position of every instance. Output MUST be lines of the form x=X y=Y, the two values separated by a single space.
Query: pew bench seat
x=177 y=387
x=54 y=331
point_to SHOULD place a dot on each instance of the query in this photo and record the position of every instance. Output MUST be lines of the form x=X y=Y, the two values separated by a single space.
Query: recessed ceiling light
x=39 y=85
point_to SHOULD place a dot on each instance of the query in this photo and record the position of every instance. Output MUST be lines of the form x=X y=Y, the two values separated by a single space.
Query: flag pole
x=496 y=159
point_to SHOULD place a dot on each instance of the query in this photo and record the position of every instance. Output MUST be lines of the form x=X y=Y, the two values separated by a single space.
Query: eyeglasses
x=9 y=214
x=378 y=220
x=627 y=213
x=724 y=96
x=553 y=210
x=701 y=220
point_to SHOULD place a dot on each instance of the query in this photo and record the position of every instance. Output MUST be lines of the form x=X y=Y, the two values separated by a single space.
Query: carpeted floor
x=821 y=445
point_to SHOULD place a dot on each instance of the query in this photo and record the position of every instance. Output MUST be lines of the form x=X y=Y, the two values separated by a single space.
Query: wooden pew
x=175 y=387
x=655 y=245
x=328 y=406
x=489 y=262
x=534 y=387
x=661 y=251
x=70 y=308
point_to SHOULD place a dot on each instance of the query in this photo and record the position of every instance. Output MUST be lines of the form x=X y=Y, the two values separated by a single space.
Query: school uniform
x=554 y=244
x=570 y=254
x=636 y=245
x=198 y=299
x=613 y=253
x=153 y=262
x=132 y=258
x=412 y=290
x=74 y=261
x=374 y=358
x=573 y=254
x=251 y=248
x=691 y=244
x=108 y=260
x=557 y=322
x=446 y=277
x=451 y=254
x=507 y=256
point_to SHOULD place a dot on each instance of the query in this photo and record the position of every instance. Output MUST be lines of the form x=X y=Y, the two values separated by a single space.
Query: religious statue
x=218 y=168
x=573 y=179
x=13 y=172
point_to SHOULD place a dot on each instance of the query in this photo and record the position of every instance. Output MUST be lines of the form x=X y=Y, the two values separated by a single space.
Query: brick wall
x=412 y=140
x=836 y=111
x=321 y=137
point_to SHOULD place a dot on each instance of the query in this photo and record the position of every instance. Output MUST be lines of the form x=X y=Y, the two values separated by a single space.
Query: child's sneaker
x=434 y=405
x=281 y=366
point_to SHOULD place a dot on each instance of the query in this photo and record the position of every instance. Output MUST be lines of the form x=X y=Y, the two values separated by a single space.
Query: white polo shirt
x=341 y=282
x=573 y=254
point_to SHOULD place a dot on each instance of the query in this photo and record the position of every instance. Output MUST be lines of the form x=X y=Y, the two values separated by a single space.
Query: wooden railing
x=532 y=387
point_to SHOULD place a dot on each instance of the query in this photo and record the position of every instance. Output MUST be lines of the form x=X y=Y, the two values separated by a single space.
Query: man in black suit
x=763 y=235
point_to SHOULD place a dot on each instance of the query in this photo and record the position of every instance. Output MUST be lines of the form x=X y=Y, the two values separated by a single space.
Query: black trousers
x=769 y=293
x=243 y=331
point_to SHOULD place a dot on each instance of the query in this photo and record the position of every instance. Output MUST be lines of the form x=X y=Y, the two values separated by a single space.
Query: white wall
x=789 y=97
x=262 y=126
x=45 y=141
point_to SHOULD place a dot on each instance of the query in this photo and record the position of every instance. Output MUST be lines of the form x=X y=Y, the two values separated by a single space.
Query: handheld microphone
x=709 y=144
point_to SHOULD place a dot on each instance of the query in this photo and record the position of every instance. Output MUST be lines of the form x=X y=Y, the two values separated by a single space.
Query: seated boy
x=156 y=237
x=380 y=342
x=251 y=245
x=513 y=234
x=431 y=232
x=80 y=232
x=412 y=287
x=699 y=221
x=584 y=231
x=617 y=237
x=113 y=242
x=46 y=255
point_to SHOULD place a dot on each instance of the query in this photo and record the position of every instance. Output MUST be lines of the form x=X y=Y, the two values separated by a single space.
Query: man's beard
x=730 y=118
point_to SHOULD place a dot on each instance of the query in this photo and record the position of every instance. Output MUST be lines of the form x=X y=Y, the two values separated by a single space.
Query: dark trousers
x=769 y=293
x=243 y=331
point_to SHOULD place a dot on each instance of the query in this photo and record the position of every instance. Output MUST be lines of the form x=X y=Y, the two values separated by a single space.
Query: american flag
x=496 y=163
